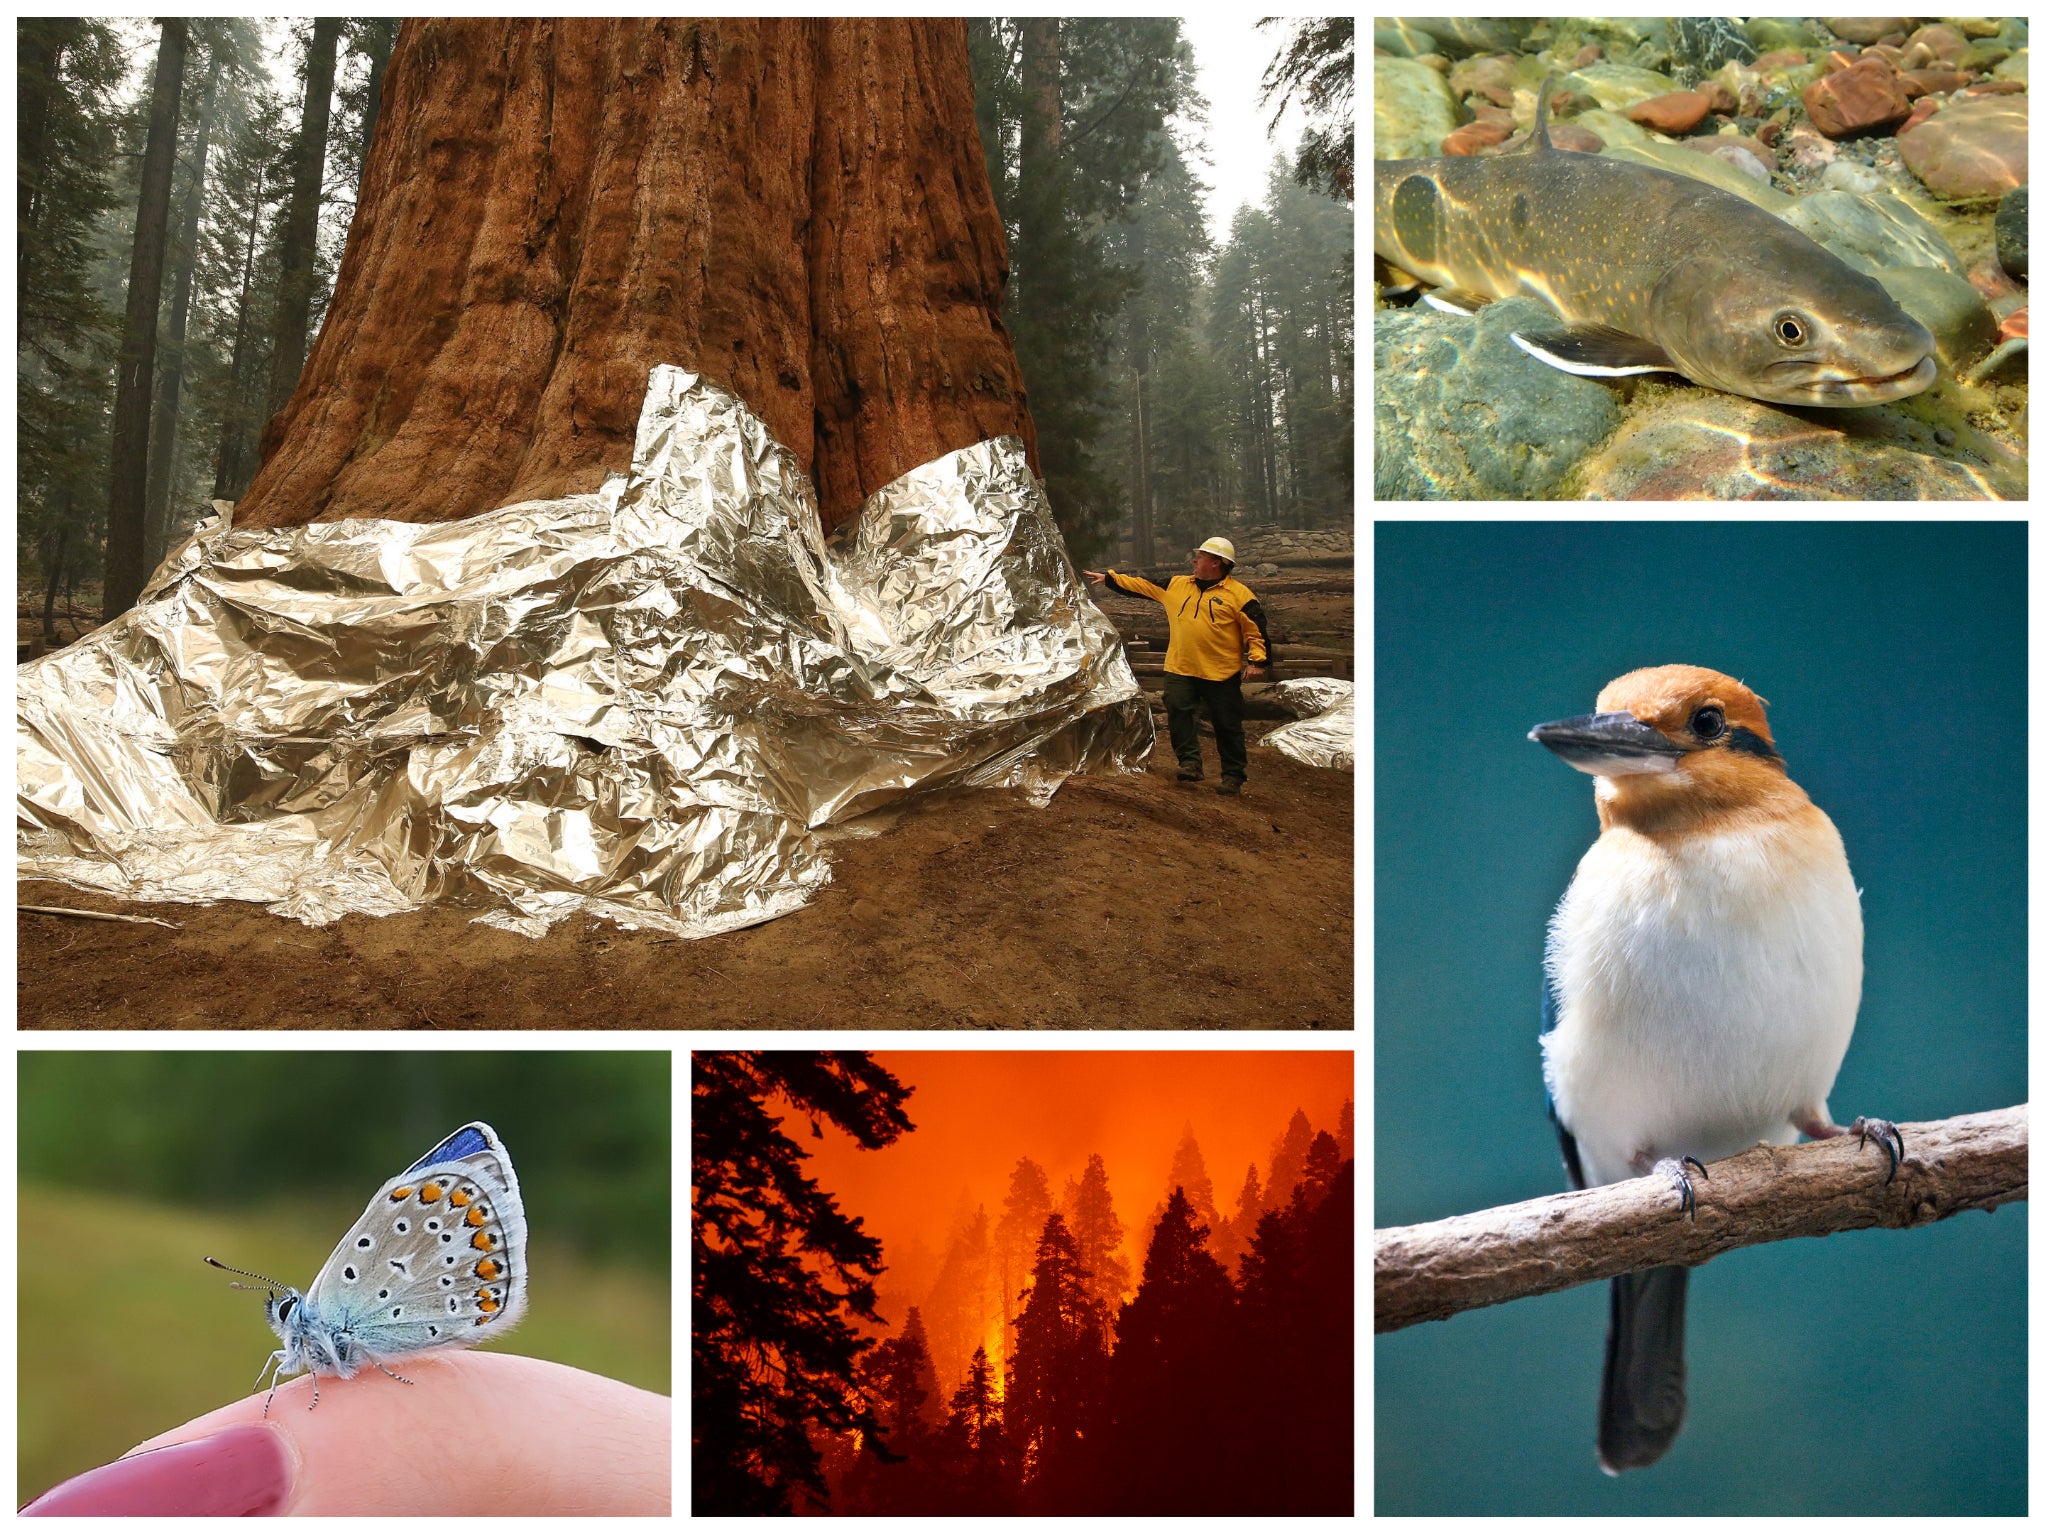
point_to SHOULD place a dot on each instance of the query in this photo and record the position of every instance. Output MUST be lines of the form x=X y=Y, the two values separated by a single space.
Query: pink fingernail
x=242 y=1471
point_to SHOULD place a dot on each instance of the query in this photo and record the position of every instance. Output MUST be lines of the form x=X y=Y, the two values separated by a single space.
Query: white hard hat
x=1222 y=549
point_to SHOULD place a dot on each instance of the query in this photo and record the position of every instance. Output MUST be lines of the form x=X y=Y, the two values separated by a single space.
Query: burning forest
x=988 y=1283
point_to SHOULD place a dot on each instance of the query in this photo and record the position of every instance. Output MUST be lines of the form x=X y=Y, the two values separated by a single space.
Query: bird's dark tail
x=1642 y=1388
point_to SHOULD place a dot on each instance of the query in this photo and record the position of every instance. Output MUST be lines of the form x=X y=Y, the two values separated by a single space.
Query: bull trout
x=1648 y=272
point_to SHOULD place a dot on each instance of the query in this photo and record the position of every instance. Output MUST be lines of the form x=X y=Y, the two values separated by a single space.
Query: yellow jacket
x=1211 y=631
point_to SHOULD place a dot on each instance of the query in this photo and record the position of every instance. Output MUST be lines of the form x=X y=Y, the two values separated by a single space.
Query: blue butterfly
x=437 y=1262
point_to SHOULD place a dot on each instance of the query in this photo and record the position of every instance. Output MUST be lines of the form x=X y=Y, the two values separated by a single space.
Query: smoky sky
x=978 y=1112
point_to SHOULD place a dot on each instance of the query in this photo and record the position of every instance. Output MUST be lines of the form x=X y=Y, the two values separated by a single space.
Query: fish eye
x=1708 y=723
x=1789 y=329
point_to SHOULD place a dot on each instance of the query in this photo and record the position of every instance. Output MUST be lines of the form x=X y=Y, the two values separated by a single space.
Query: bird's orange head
x=1675 y=746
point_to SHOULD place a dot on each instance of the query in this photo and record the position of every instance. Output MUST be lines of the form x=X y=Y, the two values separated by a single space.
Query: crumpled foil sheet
x=1322 y=736
x=648 y=703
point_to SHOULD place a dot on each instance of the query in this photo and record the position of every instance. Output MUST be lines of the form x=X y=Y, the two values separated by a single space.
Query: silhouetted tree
x=1188 y=1173
x=1173 y=1414
x=1290 y=1156
x=1319 y=1170
x=966 y=1298
x=1229 y=1241
x=985 y=1471
x=1058 y=1380
x=1025 y=1209
x=779 y=1273
x=1295 y=1309
x=897 y=1475
x=1099 y=1236
x=1346 y=1130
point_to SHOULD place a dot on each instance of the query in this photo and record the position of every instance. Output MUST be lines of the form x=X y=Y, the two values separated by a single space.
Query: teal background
x=1868 y=1373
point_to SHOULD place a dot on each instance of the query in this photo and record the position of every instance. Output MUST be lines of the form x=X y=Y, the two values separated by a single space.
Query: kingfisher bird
x=1702 y=978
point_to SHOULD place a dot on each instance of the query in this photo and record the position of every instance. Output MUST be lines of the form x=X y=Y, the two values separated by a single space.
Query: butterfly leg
x=276 y=1366
x=387 y=1371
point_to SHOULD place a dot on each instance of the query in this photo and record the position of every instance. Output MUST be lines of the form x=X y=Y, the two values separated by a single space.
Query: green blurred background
x=1867 y=1373
x=136 y=1165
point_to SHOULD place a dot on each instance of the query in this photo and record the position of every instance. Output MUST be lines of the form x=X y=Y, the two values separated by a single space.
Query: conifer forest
x=186 y=190
x=1049 y=1332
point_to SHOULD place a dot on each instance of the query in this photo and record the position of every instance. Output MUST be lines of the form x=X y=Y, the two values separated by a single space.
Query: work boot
x=1188 y=776
x=1230 y=787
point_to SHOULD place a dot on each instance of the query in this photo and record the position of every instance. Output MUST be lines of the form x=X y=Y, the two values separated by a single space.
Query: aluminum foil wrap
x=1322 y=736
x=647 y=702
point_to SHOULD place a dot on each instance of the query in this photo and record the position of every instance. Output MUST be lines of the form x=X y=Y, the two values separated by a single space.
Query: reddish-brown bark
x=795 y=208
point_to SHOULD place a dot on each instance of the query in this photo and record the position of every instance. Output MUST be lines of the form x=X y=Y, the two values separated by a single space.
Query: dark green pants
x=1185 y=699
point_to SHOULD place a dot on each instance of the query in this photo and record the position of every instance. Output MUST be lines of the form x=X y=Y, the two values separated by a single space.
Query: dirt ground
x=1130 y=902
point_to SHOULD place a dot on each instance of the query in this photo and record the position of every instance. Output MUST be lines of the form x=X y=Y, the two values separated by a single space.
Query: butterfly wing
x=437 y=1261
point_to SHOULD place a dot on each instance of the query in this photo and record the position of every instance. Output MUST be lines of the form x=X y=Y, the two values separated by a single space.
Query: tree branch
x=1434 y=1269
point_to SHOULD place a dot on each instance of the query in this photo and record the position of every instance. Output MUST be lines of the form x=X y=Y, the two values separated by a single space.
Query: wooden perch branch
x=1434 y=1269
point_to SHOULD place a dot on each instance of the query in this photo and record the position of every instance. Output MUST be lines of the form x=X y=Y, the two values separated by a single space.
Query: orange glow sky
x=978 y=1112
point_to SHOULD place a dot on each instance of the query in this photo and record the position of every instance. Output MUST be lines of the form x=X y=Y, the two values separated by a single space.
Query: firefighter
x=1216 y=638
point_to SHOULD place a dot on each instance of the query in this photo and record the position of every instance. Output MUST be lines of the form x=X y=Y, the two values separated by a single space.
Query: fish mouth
x=1862 y=390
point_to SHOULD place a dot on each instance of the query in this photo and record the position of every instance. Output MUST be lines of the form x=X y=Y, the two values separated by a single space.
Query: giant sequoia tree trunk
x=797 y=209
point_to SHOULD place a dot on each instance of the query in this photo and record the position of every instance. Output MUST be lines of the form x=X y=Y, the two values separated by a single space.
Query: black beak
x=1610 y=744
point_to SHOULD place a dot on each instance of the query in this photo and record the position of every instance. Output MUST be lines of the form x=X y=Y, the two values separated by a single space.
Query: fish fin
x=1456 y=301
x=1595 y=350
x=1539 y=136
x=1393 y=281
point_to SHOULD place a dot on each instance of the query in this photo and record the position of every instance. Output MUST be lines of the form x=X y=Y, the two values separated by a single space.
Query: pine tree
x=1025 y=1209
x=1190 y=1174
x=896 y=1473
x=1314 y=67
x=985 y=1482
x=1174 y=1417
x=964 y=1301
x=216 y=41
x=1058 y=1381
x=135 y=371
x=780 y=1276
x=1319 y=1170
x=1293 y=1351
x=1234 y=1237
x=290 y=327
x=1073 y=114
x=1290 y=1157
x=67 y=72
x=1099 y=1236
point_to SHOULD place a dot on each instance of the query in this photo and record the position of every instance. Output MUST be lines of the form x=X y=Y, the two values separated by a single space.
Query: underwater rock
x=1963 y=325
x=1697 y=446
x=2010 y=228
x=1867 y=95
x=1868 y=29
x=1674 y=113
x=1412 y=110
x=1872 y=234
x=1460 y=411
x=1971 y=148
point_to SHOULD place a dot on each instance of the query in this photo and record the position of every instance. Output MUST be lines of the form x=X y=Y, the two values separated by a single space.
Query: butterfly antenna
x=252 y=1275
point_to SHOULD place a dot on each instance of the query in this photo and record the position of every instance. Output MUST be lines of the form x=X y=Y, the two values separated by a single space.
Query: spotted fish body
x=1649 y=271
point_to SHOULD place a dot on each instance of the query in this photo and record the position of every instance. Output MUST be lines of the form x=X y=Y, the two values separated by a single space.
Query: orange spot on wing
x=460 y=1198
x=401 y=1192
x=475 y=1216
x=430 y=1192
x=487 y=1269
x=483 y=1241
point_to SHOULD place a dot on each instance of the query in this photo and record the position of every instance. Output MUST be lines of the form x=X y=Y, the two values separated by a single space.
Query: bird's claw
x=1673 y=1169
x=1886 y=1135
